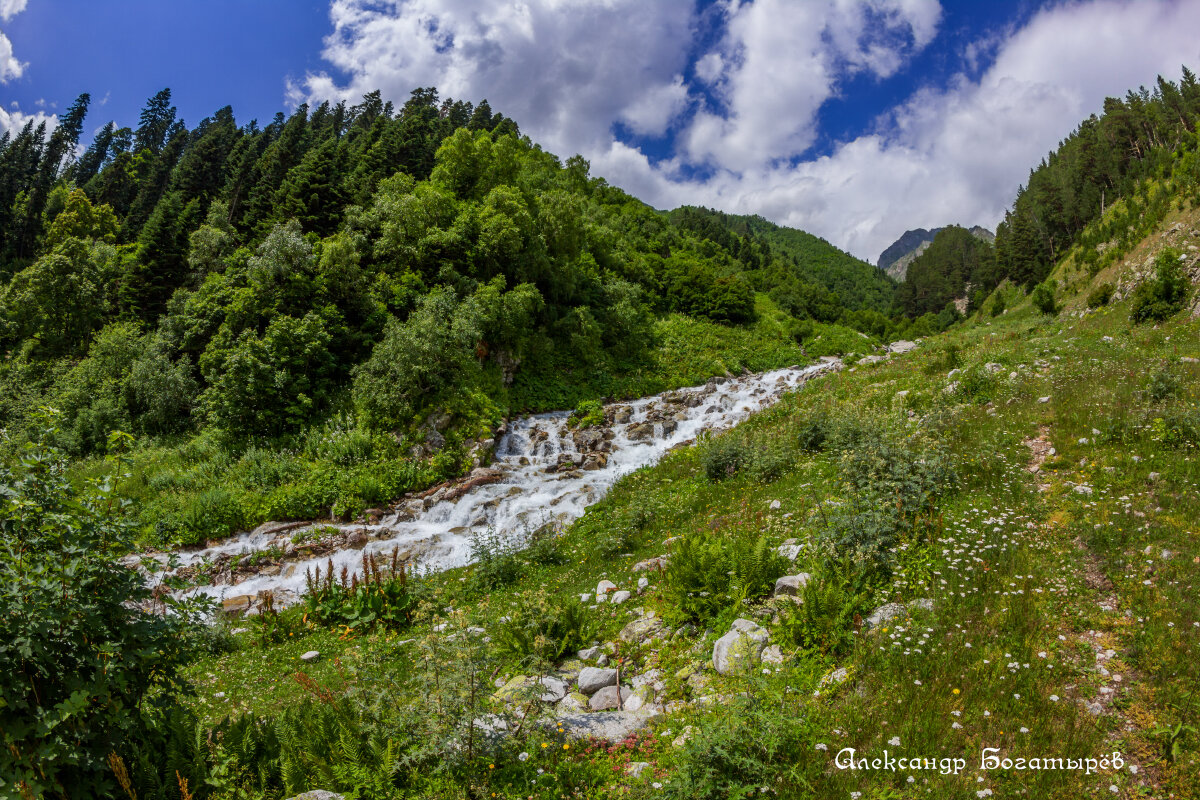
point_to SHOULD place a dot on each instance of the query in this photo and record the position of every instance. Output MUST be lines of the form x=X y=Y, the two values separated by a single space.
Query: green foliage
x=382 y=596
x=1100 y=296
x=1161 y=298
x=824 y=621
x=1042 y=298
x=764 y=459
x=1164 y=384
x=495 y=561
x=586 y=414
x=82 y=668
x=954 y=259
x=709 y=574
x=544 y=631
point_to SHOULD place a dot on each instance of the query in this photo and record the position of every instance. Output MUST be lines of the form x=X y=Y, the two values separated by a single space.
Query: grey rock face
x=593 y=679
x=742 y=646
x=608 y=698
x=883 y=615
x=792 y=584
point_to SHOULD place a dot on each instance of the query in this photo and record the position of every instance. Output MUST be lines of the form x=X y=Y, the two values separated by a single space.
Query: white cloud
x=10 y=67
x=10 y=8
x=14 y=120
x=569 y=71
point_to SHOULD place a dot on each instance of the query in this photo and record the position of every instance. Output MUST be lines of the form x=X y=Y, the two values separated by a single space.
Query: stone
x=317 y=794
x=641 y=697
x=923 y=603
x=620 y=597
x=310 y=656
x=641 y=629
x=791 y=584
x=1081 y=489
x=835 y=678
x=902 y=346
x=583 y=598
x=789 y=551
x=555 y=689
x=573 y=702
x=237 y=605
x=640 y=431
x=775 y=505
x=884 y=614
x=1043 y=399
x=602 y=660
x=657 y=563
x=604 y=587
x=742 y=645
x=608 y=698
x=643 y=584
x=682 y=738
x=608 y=726
x=953 y=373
x=1153 y=476
x=593 y=679
x=514 y=689
x=1189 y=360
x=773 y=655
x=634 y=769
x=589 y=653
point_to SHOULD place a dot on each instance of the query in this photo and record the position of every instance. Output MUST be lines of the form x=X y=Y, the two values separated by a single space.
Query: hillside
x=894 y=260
x=982 y=543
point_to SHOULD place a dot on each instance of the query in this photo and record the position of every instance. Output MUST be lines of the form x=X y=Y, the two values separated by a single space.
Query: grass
x=1017 y=566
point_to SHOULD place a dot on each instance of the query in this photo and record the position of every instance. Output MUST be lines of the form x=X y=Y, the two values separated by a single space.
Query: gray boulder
x=608 y=726
x=790 y=585
x=641 y=629
x=593 y=679
x=555 y=689
x=884 y=614
x=608 y=698
x=742 y=646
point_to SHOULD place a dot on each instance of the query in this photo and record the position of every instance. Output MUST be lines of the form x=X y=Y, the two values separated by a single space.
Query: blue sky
x=854 y=119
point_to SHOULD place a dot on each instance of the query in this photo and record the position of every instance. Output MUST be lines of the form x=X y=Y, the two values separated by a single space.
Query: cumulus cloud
x=581 y=76
x=10 y=67
x=10 y=8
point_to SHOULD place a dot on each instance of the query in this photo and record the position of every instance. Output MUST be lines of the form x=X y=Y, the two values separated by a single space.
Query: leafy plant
x=545 y=631
x=1042 y=298
x=1160 y=298
x=1100 y=296
x=586 y=414
x=707 y=575
x=383 y=596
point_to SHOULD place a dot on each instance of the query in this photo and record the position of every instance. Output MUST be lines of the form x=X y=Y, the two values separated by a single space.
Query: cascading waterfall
x=543 y=472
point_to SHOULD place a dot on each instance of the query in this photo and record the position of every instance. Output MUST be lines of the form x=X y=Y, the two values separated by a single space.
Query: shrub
x=495 y=561
x=81 y=667
x=825 y=620
x=586 y=414
x=707 y=575
x=1042 y=298
x=1164 y=296
x=1163 y=384
x=1100 y=295
x=997 y=305
x=724 y=457
x=545 y=631
x=737 y=451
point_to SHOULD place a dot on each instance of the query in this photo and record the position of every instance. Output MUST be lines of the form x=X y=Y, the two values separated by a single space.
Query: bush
x=1042 y=298
x=1163 y=297
x=495 y=561
x=545 y=631
x=81 y=667
x=724 y=457
x=1163 y=384
x=824 y=621
x=586 y=414
x=707 y=575
x=1100 y=295
x=765 y=460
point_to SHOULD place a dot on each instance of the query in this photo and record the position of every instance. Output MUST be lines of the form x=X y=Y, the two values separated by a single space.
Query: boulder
x=657 y=563
x=593 y=679
x=902 y=346
x=681 y=739
x=514 y=690
x=773 y=655
x=743 y=645
x=589 y=653
x=608 y=698
x=555 y=689
x=641 y=629
x=608 y=726
x=572 y=703
x=634 y=769
x=621 y=597
x=604 y=587
x=789 y=551
x=310 y=656
x=639 y=698
x=884 y=614
x=790 y=585
x=640 y=431
x=317 y=794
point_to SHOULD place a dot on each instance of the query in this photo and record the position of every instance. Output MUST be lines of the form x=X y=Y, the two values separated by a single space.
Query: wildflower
x=523 y=757
x=894 y=741
x=822 y=746
x=566 y=747
x=1053 y=698
x=1024 y=730
x=545 y=745
x=956 y=691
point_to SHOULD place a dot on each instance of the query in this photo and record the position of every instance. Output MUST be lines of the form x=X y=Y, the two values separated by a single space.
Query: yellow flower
x=545 y=745
x=491 y=766
x=566 y=747
x=956 y=691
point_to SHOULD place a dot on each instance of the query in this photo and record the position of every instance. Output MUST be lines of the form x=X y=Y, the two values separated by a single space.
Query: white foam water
x=437 y=532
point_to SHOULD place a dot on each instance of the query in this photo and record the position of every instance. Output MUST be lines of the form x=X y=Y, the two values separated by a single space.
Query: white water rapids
x=543 y=472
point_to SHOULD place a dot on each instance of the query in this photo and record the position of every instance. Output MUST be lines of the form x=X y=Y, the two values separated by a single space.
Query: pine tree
x=155 y=122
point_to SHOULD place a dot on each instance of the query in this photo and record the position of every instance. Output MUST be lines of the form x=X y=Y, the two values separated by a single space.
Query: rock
x=589 y=653
x=595 y=461
x=871 y=359
x=556 y=689
x=923 y=603
x=902 y=346
x=634 y=769
x=643 y=584
x=1153 y=476
x=604 y=587
x=622 y=415
x=1043 y=399
x=951 y=388
x=953 y=373
x=317 y=794
x=884 y=614
x=608 y=726
x=992 y=368
x=1189 y=360
x=310 y=656
x=1081 y=489
x=602 y=660
x=237 y=605
x=773 y=655
x=681 y=739
x=789 y=551
x=641 y=697
x=641 y=629
x=356 y=540
x=657 y=563
x=640 y=431
x=593 y=679
x=835 y=678
x=573 y=702
x=607 y=698
x=514 y=690
x=775 y=505
x=791 y=584
x=621 y=597
x=742 y=645
x=583 y=598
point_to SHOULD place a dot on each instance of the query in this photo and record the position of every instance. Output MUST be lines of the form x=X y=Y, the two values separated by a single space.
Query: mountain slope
x=899 y=254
